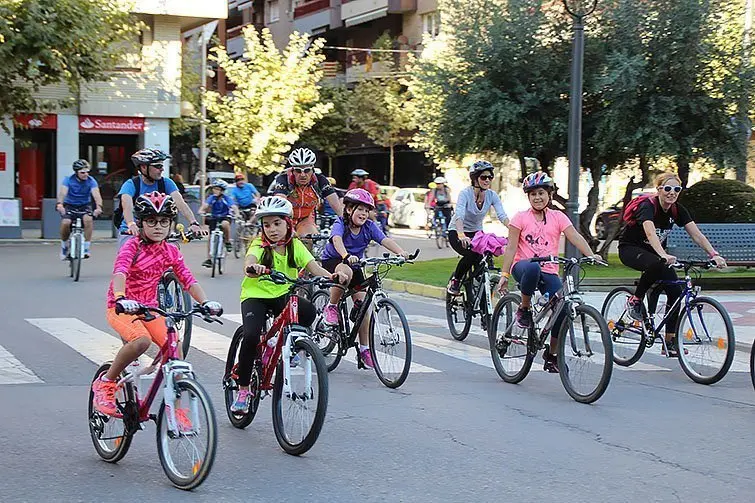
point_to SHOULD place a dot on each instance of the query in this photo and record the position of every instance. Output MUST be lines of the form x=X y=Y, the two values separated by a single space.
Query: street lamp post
x=578 y=10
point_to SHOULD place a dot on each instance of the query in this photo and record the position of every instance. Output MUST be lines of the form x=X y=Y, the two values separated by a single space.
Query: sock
x=87 y=244
x=363 y=348
x=64 y=244
x=105 y=379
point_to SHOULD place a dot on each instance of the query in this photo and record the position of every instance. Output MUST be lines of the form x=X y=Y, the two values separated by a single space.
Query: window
x=130 y=53
x=273 y=11
x=431 y=23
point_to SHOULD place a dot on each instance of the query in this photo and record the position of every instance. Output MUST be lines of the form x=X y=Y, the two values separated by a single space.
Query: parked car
x=610 y=215
x=408 y=207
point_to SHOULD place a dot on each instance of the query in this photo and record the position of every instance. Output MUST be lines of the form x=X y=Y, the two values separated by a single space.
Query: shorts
x=130 y=330
x=306 y=220
x=212 y=222
x=357 y=278
x=73 y=208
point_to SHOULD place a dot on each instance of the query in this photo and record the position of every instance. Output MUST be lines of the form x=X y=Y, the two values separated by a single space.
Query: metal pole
x=575 y=128
x=744 y=101
x=202 y=129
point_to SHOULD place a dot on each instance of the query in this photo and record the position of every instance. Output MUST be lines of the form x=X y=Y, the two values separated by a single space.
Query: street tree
x=330 y=133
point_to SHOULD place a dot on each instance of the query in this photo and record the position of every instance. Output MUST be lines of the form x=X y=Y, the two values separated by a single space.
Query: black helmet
x=148 y=156
x=81 y=164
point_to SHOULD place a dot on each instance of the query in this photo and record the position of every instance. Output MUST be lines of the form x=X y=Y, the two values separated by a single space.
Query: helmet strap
x=146 y=176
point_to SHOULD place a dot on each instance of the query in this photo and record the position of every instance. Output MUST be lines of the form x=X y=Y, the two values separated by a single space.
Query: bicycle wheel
x=77 y=244
x=705 y=338
x=299 y=412
x=627 y=335
x=585 y=356
x=237 y=242
x=176 y=300
x=231 y=388
x=187 y=456
x=110 y=434
x=509 y=344
x=459 y=313
x=752 y=364
x=327 y=338
x=438 y=237
x=390 y=343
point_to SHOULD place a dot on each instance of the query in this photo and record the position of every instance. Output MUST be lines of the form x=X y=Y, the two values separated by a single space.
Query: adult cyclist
x=75 y=196
x=245 y=195
x=472 y=207
x=149 y=164
x=305 y=190
x=220 y=207
x=360 y=179
x=440 y=201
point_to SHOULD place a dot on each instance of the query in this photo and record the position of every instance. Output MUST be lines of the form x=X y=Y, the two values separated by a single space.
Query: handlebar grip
x=118 y=309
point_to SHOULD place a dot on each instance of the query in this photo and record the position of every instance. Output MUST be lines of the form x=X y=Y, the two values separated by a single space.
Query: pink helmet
x=359 y=196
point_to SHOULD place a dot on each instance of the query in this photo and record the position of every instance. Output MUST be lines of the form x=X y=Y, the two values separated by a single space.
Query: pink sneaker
x=182 y=420
x=104 y=396
x=367 y=358
x=331 y=315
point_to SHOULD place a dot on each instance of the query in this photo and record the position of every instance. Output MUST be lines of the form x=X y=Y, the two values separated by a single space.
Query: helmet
x=239 y=176
x=359 y=196
x=331 y=180
x=81 y=164
x=274 y=206
x=148 y=156
x=359 y=172
x=154 y=204
x=479 y=167
x=302 y=157
x=439 y=179
x=537 y=180
x=219 y=183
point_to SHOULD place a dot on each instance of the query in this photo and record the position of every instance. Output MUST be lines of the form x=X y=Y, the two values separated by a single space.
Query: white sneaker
x=63 y=253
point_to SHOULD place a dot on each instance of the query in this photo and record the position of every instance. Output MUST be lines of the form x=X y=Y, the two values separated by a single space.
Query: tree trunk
x=330 y=166
x=390 y=176
x=522 y=165
x=585 y=218
x=682 y=163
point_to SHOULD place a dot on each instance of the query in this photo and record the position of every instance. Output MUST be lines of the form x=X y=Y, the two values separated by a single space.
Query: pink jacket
x=483 y=242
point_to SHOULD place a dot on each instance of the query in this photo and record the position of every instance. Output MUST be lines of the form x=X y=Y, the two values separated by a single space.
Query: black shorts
x=212 y=222
x=357 y=278
x=72 y=209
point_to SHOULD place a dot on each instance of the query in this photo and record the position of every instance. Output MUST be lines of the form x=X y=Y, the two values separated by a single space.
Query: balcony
x=401 y=6
x=310 y=7
x=360 y=11
x=379 y=69
x=201 y=10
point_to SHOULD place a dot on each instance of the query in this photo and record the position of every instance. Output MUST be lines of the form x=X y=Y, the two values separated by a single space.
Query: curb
x=36 y=241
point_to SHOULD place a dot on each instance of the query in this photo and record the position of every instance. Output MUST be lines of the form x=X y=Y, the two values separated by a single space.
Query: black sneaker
x=523 y=318
x=454 y=287
x=551 y=363
x=634 y=308
x=228 y=247
x=673 y=350
x=207 y=263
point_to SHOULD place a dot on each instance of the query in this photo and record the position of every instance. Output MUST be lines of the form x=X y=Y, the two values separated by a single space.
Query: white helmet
x=302 y=157
x=274 y=206
x=439 y=179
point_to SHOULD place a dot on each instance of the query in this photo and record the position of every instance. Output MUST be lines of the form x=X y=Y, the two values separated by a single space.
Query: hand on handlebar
x=503 y=285
x=212 y=307
x=351 y=259
x=256 y=270
x=339 y=277
x=97 y=212
x=465 y=241
x=719 y=261
x=127 y=306
x=669 y=259
x=133 y=229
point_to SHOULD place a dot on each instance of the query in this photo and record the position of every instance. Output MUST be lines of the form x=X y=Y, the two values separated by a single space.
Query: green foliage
x=720 y=201
x=329 y=133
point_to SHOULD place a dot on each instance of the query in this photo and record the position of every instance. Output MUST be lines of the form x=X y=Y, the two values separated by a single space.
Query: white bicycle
x=76 y=243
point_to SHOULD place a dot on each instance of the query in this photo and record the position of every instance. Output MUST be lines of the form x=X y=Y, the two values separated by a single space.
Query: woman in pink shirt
x=536 y=232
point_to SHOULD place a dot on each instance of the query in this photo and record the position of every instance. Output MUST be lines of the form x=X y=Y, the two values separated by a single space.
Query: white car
x=408 y=207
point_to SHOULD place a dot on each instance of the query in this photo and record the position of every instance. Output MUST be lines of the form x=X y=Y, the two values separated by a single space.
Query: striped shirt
x=144 y=273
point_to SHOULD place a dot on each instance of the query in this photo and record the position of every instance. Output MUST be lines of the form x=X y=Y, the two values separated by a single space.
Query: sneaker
x=454 y=287
x=182 y=420
x=673 y=350
x=207 y=263
x=523 y=318
x=366 y=355
x=634 y=308
x=551 y=363
x=331 y=315
x=104 y=396
x=228 y=247
x=63 y=252
x=87 y=250
x=243 y=399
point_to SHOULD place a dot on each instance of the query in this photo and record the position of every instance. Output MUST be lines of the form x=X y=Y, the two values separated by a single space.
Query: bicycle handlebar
x=389 y=259
x=147 y=313
x=560 y=260
x=279 y=278
x=315 y=237
x=688 y=264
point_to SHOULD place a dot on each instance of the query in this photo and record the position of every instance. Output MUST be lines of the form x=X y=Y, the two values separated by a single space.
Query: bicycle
x=752 y=364
x=440 y=231
x=389 y=330
x=513 y=349
x=277 y=352
x=475 y=298
x=76 y=243
x=217 y=248
x=112 y=435
x=245 y=230
x=715 y=333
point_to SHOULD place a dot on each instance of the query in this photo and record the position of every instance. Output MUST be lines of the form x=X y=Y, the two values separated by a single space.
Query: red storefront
x=35 y=145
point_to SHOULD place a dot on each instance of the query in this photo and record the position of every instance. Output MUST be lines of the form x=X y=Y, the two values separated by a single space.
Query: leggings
x=468 y=257
x=653 y=269
x=530 y=278
x=253 y=313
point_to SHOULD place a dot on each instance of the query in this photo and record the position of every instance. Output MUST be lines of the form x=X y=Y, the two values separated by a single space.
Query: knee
x=346 y=270
x=141 y=343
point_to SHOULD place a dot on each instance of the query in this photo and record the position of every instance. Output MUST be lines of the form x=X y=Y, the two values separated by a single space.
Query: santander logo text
x=94 y=123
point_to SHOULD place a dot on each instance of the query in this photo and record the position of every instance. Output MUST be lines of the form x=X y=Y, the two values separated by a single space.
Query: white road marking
x=13 y=371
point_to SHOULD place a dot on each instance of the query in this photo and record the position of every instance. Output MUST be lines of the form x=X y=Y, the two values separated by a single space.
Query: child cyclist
x=536 y=232
x=139 y=265
x=349 y=238
x=276 y=248
x=221 y=208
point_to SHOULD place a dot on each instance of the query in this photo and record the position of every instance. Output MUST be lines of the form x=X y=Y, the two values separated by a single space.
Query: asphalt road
x=454 y=432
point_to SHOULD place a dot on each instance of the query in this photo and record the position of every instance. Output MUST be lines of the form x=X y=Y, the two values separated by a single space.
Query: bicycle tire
x=379 y=371
x=730 y=342
x=182 y=302
x=230 y=386
x=752 y=365
x=510 y=303
x=303 y=343
x=78 y=242
x=584 y=310
x=198 y=475
x=328 y=339
x=618 y=327
x=97 y=421
x=454 y=302
x=438 y=238
x=237 y=241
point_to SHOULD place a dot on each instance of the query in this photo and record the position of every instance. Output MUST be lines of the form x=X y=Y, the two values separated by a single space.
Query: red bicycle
x=290 y=365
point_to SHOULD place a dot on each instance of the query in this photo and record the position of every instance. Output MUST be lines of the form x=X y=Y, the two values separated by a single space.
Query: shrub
x=720 y=201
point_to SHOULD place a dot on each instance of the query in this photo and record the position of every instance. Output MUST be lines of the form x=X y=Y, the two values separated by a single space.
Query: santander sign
x=93 y=123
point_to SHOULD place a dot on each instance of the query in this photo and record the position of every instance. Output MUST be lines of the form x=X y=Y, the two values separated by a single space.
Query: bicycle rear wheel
x=509 y=344
x=627 y=335
x=231 y=388
x=298 y=414
x=459 y=313
x=177 y=300
x=585 y=356
x=752 y=364
x=390 y=343
x=77 y=252
x=237 y=241
x=110 y=434
x=188 y=454
x=327 y=338
x=705 y=338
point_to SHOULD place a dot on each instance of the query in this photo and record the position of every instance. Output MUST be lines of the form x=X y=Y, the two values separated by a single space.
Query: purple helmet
x=359 y=196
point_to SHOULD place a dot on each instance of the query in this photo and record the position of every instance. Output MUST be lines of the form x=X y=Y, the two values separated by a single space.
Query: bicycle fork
x=174 y=370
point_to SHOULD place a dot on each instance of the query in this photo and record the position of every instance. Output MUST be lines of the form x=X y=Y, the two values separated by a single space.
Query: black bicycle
x=474 y=300
x=390 y=337
x=584 y=341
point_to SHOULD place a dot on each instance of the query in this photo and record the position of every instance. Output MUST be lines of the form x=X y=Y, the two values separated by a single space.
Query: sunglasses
x=669 y=188
x=157 y=165
x=486 y=177
x=153 y=222
x=83 y=172
x=304 y=171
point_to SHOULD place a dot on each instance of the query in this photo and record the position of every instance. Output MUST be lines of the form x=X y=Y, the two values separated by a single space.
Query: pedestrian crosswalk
x=97 y=346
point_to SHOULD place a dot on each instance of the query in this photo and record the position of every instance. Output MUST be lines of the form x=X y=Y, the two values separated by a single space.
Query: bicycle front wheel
x=459 y=313
x=509 y=344
x=299 y=409
x=187 y=454
x=585 y=356
x=326 y=337
x=177 y=300
x=627 y=335
x=705 y=338
x=390 y=343
x=752 y=364
x=110 y=436
x=77 y=244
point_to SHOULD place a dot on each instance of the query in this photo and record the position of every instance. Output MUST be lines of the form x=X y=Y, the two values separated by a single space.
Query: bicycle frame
x=281 y=327
x=77 y=228
x=217 y=250
x=374 y=289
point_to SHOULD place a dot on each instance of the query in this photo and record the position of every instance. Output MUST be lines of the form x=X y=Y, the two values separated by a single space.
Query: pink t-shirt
x=539 y=239
x=143 y=275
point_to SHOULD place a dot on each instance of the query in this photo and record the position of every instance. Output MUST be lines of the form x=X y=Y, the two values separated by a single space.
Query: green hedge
x=720 y=201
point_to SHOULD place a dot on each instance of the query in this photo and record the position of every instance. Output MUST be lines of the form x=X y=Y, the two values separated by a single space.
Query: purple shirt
x=355 y=244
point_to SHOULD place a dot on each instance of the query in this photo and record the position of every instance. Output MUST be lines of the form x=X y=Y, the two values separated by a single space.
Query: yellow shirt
x=254 y=288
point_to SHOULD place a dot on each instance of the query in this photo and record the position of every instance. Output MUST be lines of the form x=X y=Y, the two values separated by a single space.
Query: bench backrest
x=735 y=242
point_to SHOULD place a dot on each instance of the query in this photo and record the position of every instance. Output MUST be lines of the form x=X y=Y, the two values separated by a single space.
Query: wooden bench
x=735 y=243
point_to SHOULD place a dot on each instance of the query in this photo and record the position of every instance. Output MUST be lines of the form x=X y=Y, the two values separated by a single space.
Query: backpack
x=118 y=212
x=629 y=216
